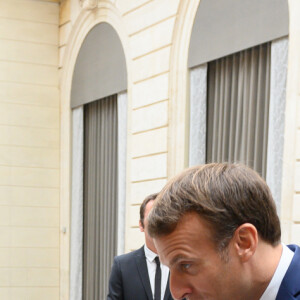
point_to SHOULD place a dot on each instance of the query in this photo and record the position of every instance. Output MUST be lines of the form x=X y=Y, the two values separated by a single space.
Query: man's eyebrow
x=176 y=259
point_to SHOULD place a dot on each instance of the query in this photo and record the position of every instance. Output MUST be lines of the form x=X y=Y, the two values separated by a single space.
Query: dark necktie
x=157 y=289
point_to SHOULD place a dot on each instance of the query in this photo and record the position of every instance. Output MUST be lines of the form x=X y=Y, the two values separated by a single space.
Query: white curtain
x=100 y=195
x=238 y=108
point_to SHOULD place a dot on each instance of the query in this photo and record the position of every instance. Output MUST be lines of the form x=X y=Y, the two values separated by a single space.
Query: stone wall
x=155 y=35
x=29 y=150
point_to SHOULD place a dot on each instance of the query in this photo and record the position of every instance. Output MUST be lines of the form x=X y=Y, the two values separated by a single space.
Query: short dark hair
x=225 y=195
x=143 y=206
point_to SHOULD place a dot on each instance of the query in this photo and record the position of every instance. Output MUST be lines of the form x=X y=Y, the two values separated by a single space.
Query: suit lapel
x=143 y=271
x=291 y=282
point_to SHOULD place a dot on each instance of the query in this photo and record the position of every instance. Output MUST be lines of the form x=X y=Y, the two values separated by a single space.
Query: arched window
x=236 y=99
x=98 y=101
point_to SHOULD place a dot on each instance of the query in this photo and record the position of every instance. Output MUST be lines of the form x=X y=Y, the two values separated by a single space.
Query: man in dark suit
x=139 y=275
x=216 y=227
x=290 y=285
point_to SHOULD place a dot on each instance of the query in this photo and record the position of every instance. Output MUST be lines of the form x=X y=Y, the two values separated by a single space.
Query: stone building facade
x=40 y=46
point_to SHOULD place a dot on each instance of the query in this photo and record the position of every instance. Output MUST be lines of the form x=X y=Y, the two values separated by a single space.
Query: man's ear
x=141 y=226
x=245 y=241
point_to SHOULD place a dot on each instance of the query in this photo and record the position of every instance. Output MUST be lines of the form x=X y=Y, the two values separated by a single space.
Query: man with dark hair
x=216 y=227
x=139 y=274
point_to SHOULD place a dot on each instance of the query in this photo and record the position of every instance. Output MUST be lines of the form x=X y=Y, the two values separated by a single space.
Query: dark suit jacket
x=129 y=279
x=290 y=285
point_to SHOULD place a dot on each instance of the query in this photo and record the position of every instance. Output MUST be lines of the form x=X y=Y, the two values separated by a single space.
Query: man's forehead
x=173 y=252
x=190 y=229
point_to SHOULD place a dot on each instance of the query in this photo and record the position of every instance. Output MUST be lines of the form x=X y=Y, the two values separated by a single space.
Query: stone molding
x=88 y=4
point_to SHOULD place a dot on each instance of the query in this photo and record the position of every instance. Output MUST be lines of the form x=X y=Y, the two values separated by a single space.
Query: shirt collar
x=284 y=263
x=150 y=255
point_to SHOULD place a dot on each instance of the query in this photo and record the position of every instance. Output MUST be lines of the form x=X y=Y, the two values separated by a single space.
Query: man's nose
x=179 y=286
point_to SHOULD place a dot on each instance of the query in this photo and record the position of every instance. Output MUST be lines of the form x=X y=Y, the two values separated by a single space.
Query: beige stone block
x=29 y=137
x=64 y=11
x=5 y=293
x=19 y=277
x=151 y=65
x=34 y=257
x=33 y=116
x=295 y=235
x=19 y=51
x=29 y=157
x=64 y=32
x=29 y=31
x=150 y=142
x=135 y=239
x=150 y=117
x=5 y=236
x=34 y=293
x=149 y=167
x=17 y=293
x=34 y=277
x=35 y=216
x=152 y=38
x=29 y=196
x=29 y=257
x=134 y=215
x=29 y=94
x=297 y=177
x=33 y=177
x=30 y=10
x=296 y=208
x=126 y=6
x=140 y=190
x=35 y=237
x=5 y=277
x=5 y=215
x=5 y=258
x=150 y=14
x=298 y=145
x=29 y=73
x=150 y=91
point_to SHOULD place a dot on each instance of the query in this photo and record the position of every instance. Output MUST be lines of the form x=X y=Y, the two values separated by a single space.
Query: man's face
x=197 y=270
x=148 y=239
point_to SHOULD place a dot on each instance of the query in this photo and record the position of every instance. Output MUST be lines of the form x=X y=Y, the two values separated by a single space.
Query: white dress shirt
x=151 y=265
x=284 y=263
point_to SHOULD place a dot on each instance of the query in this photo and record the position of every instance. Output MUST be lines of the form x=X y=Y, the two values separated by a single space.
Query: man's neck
x=151 y=247
x=267 y=260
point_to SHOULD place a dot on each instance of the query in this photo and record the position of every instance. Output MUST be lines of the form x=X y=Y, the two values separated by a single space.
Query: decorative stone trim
x=88 y=4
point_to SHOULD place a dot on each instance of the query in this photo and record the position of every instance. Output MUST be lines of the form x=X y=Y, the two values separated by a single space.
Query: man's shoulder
x=130 y=255
x=290 y=286
x=295 y=264
x=294 y=248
